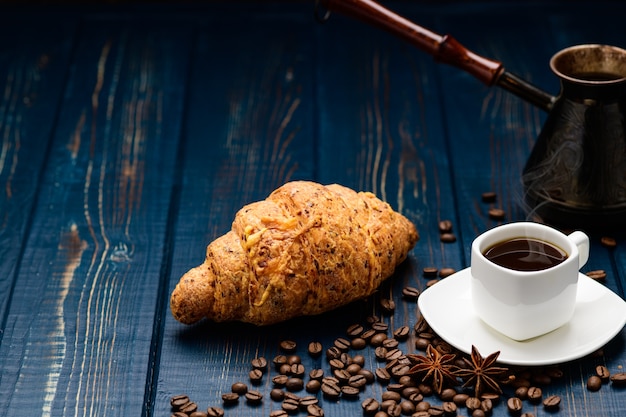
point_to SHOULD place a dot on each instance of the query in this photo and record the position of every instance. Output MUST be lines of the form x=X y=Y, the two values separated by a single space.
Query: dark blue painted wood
x=162 y=121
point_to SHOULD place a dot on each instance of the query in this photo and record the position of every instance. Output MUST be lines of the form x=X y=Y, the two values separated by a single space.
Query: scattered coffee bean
x=259 y=363
x=315 y=349
x=447 y=394
x=294 y=384
x=370 y=406
x=391 y=343
x=619 y=379
x=288 y=346
x=378 y=339
x=380 y=326
x=188 y=408
x=178 y=401
x=514 y=405
x=449 y=408
x=472 y=403
x=198 y=414
x=410 y=293
x=521 y=393
x=369 y=375
x=353 y=368
x=432 y=282
x=313 y=386
x=407 y=407
x=448 y=237
x=430 y=271
x=308 y=400
x=497 y=214
x=331 y=390
x=594 y=383
x=316 y=374
x=332 y=353
x=279 y=360
x=603 y=373
x=358 y=343
x=460 y=399
x=445 y=226
x=342 y=344
x=277 y=394
x=598 y=274
x=239 y=388
x=297 y=370
x=179 y=414
x=608 y=242
x=552 y=403
x=382 y=375
x=279 y=413
x=446 y=272
x=349 y=391
x=280 y=380
x=488 y=196
x=422 y=406
x=354 y=330
x=230 y=398
x=254 y=397
x=290 y=405
x=256 y=376
x=394 y=410
x=314 y=410
x=402 y=333
x=387 y=305
x=215 y=412
x=534 y=394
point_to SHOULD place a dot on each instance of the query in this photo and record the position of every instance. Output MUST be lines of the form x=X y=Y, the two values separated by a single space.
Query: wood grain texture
x=131 y=134
x=79 y=329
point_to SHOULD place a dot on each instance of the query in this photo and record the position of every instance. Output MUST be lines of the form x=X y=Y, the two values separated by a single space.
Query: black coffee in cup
x=525 y=254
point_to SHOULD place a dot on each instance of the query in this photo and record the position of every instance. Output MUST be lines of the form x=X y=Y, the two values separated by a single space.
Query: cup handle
x=582 y=241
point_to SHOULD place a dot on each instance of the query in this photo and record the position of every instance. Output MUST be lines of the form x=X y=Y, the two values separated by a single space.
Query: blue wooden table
x=131 y=134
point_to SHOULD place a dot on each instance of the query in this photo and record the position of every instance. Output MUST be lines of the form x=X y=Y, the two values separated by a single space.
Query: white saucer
x=600 y=314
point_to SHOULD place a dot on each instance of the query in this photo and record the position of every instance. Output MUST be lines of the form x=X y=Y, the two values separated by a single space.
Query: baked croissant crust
x=306 y=249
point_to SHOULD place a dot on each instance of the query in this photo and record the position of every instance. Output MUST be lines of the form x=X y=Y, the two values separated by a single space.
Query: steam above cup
x=531 y=291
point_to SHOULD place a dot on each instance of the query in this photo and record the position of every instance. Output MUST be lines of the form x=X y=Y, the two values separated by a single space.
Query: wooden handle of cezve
x=444 y=48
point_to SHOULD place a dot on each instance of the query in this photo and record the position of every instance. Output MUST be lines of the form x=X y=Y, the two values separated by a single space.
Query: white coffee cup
x=526 y=304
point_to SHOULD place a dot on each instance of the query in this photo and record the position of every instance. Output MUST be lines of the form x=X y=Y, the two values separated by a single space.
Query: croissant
x=306 y=249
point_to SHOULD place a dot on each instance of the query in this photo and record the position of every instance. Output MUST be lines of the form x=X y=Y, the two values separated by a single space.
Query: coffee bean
x=342 y=376
x=423 y=413
x=349 y=391
x=598 y=274
x=378 y=339
x=460 y=399
x=608 y=242
x=521 y=393
x=358 y=343
x=391 y=395
x=288 y=346
x=394 y=410
x=259 y=363
x=496 y=214
x=410 y=293
x=333 y=353
x=514 y=405
x=552 y=402
x=486 y=405
x=435 y=411
x=297 y=370
x=230 y=397
x=472 y=403
x=342 y=344
x=198 y=414
x=279 y=360
x=422 y=343
x=330 y=390
x=534 y=394
x=399 y=370
x=619 y=379
x=387 y=306
x=446 y=272
x=215 y=412
x=422 y=406
x=316 y=374
x=178 y=401
x=430 y=271
x=393 y=354
x=353 y=368
x=254 y=397
x=179 y=414
x=380 y=327
x=426 y=390
x=370 y=406
x=314 y=410
x=354 y=330
x=290 y=405
x=594 y=383
x=402 y=333
x=357 y=381
x=279 y=413
x=239 y=388
x=382 y=375
x=256 y=376
x=478 y=413
x=369 y=375
x=488 y=196
x=315 y=349
x=368 y=334
x=448 y=237
x=313 y=386
x=603 y=373
x=407 y=407
x=280 y=380
x=277 y=394
x=449 y=408
x=445 y=226
x=188 y=408
x=391 y=343
x=294 y=384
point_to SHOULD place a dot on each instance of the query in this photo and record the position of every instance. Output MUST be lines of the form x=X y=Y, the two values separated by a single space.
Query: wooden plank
x=79 y=330
x=250 y=129
x=32 y=74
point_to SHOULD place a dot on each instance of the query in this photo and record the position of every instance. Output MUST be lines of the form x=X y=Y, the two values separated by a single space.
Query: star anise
x=435 y=368
x=481 y=373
